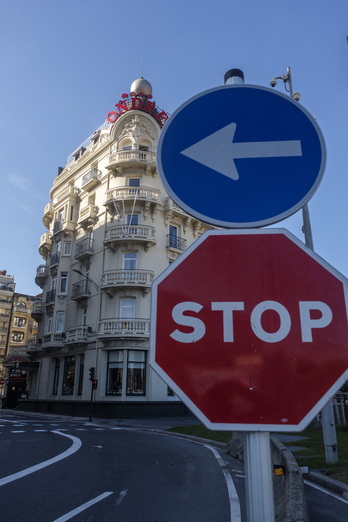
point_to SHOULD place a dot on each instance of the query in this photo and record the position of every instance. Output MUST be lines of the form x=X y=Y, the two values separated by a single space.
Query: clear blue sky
x=64 y=65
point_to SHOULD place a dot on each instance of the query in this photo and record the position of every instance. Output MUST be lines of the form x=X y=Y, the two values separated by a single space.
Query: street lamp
x=94 y=382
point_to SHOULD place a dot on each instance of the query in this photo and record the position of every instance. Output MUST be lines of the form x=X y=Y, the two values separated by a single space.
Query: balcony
x=127 y=278
x=48 y=215
x=34 y=344
x=77 y=335
x=56 y=340
x=84 y=249
x=50 y=297
x=113 y=328
x=91 y=179
x=88 y=216
x=45 y=247
x=172 y=209
x=80 y=290
x=176 y=242
x=42 y=274
x=128 y=234
x=132 y=157
x=147 y=195
x=61 y=225
x=54 y=261
x=38 y=310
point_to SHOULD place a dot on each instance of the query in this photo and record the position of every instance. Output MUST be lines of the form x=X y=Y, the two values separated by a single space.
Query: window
x=69 y=375
x=81 y=370
x=173 y=236
x=130 y=260
x=84 y=316
x=71 y=213
x=17 y=337
x=127 y=308
x=132 y=219
x=136 y=371
x=143 y=147
x=114 y=373
x=21 y=304
x=60 y=322
x=63 y=285
x=67 y=248
x=20 y=322
x=56 y=376
x=49 y=324
x=134 y=182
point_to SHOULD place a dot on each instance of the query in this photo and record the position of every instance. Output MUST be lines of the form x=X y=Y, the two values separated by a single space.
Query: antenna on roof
x=142 y=67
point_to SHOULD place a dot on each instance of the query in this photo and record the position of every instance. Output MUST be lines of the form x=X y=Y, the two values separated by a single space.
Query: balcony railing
x=176 y=242
x=45 y=247
x=127 y=278
x=78 y=334
x=139 y=193
x=117 y=233
x=80 y=290
x=42 y=273
x=38 y=310
x=91 y=179
x=84 y=248
x=48 y=215
x=88 y=216
x=124 y=328
x=132 y=155
x=55 y=340
x=50 y=297
x=54 y=259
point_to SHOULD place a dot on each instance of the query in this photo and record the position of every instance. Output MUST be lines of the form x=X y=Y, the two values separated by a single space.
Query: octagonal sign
x=249 y=329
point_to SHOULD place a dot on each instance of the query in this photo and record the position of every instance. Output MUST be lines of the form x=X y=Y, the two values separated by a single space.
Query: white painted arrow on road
x=218 y=152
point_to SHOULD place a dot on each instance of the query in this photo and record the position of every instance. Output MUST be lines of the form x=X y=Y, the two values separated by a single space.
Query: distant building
x=111 y=229
x=7 y=288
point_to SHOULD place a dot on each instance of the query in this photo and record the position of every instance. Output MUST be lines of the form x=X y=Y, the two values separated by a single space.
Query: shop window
x=69 y=375
x=114 y=373
x=81 y=370
x=136 y=372
x=56 y=376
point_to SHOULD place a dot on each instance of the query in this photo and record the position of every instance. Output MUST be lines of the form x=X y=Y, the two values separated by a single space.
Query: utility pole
x=327 y=413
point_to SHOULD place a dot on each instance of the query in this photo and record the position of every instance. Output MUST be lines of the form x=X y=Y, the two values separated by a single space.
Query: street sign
x=241 y=156
x=249 y=329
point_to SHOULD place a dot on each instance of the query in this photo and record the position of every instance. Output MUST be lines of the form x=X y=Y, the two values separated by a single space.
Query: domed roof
x=141 y=85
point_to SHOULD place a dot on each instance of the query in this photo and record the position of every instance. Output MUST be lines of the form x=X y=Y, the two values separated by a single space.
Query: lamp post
x=327 y=414
x=93 y=369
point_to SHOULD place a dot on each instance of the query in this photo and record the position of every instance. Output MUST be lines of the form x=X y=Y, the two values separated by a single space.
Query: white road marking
x=235 y=514
x=76 y=445
x=324 y=490
x=17 y=431
x=121 y=496
x=81 y=508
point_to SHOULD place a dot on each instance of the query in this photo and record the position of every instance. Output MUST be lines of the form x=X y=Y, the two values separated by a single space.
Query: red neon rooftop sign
x=140 y=102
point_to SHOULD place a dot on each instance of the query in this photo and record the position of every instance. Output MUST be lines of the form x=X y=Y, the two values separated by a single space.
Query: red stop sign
x=249 y=328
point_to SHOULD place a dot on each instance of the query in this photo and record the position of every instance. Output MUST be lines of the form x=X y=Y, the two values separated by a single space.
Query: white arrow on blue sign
x=241 y=156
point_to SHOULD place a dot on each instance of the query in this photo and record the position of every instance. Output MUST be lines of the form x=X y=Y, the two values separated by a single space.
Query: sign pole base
x=258 y=477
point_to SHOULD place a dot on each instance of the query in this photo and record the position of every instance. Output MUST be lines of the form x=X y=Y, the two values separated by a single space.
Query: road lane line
x=81 y=508
x=326 y=491
x=76 y=445
x=235 y=514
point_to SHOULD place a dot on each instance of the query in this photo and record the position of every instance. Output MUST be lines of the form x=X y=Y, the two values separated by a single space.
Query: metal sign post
x=258 y=477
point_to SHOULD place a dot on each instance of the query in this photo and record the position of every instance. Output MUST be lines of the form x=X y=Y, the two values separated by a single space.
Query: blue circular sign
x=241 y=156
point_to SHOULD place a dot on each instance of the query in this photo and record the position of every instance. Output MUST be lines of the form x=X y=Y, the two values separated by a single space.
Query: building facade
x=7 y=289
x=111 y=229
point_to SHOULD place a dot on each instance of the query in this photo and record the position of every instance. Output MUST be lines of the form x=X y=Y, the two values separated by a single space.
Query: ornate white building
x=111 y=229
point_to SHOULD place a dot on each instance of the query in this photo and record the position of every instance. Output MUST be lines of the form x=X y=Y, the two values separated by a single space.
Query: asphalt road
x=101 y=474
x=57 y=469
